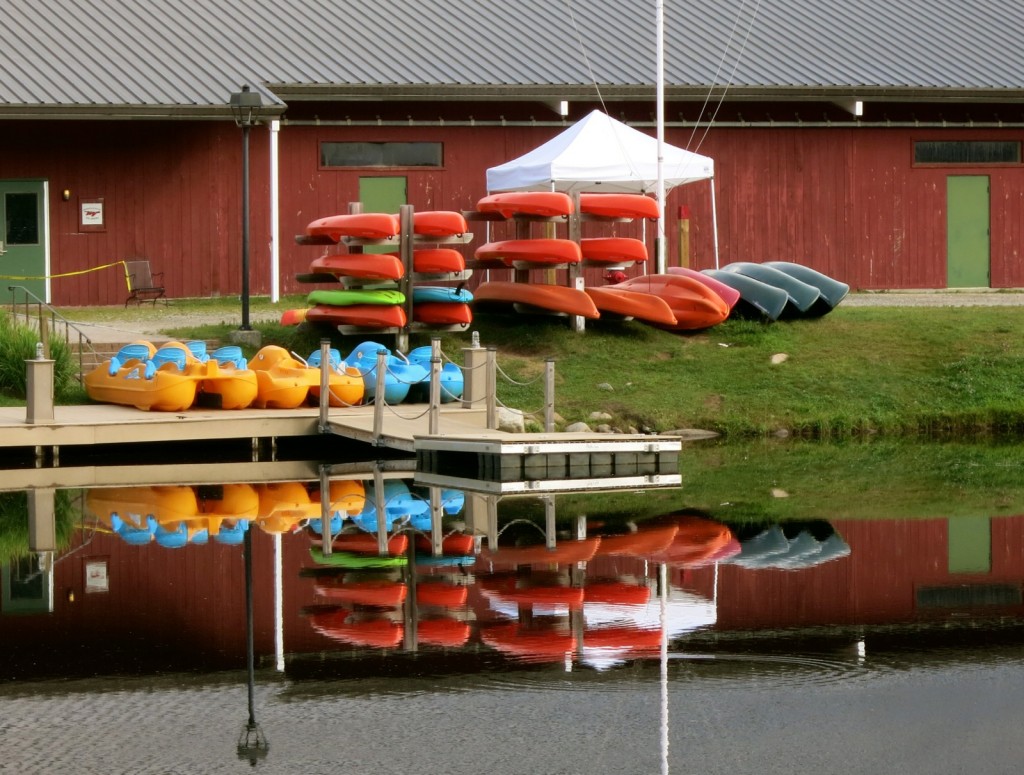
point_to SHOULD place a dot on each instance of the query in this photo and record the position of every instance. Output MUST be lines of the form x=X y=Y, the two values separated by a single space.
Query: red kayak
x=362 y=315
x=542 y=203
x=367 y=266
x=442 y=313
x=619 y=205
x=533 y=251
x=439 y=223
x=360 y=225
x=613 y=250
x=385 y=594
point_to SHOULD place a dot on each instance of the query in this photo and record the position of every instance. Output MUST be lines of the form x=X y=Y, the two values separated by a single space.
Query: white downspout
x=275 y=209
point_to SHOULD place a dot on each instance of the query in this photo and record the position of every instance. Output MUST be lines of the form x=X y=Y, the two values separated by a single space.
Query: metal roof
x=150 y=57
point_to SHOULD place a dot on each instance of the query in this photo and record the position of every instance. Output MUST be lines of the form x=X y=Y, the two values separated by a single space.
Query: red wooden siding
x=847 y=201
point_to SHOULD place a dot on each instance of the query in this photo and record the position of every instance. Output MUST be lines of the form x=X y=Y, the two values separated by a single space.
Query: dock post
x=436 y=528
x=433 y=421
x=42 y=520
x=549 y=395
x=378 y=398
x=492 y=388
x=325 y=382
x=550 y=527
x=325 y=512
x=39 y=388
x=378 y=497
x=473 y=378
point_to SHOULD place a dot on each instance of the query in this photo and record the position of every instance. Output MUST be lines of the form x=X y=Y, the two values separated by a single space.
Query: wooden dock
x=69 y=449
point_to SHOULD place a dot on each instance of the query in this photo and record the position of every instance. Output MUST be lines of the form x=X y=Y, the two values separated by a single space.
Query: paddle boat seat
x=230 y=354
x=176 y=355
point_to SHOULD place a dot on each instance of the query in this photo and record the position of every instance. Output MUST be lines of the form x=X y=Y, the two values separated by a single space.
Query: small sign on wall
x=91 y=216
x=96 y=579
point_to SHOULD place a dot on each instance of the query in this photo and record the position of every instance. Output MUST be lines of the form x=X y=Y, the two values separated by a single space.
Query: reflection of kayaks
x=454 y=543
x=563 y=552
x=801 y=296
x=543 y=203
x=619 y=205
x=355 y=561
x=441 y=594
x=694 y=305
x=512 y=589
x=615 y=592
x=533 y=645
x=535 y=297
x=613 y=250
x=632 y=304
x=449 y=633
x=647 y=540
x=360 y=225
x=697 y=540
x=385 y=594
x=375 y=633
x=366 y=543
x=531 y=251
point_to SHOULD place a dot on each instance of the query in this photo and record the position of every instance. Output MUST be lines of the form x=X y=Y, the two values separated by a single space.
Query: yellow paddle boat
x=284 y=382
x=345 y=382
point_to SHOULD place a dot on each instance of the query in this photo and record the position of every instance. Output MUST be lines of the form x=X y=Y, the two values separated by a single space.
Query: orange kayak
x=532 y=251
x=536 y=297
x=542 y=203
x=362 y=315
x=619 y=205
x=361 y=225
x=632 y=304
x=694 y=304
x=367 y=266
x=439 y=223
x=613 y=250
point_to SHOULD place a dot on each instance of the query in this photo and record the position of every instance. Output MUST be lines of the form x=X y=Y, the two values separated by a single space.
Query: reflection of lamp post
x=252 y=743
x=245 y=107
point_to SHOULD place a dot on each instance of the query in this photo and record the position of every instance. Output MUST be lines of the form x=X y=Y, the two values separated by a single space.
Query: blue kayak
x=437 y=293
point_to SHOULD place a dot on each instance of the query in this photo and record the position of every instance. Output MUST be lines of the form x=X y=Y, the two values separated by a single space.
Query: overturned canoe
x=801 y=296
x=832 y=291
x=757 y=299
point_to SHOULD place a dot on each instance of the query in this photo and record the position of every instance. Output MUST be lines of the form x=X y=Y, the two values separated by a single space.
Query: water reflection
x=404 y=602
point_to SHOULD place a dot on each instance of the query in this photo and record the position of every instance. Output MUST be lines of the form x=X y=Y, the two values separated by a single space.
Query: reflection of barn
x=176 y=608
x=885 y=170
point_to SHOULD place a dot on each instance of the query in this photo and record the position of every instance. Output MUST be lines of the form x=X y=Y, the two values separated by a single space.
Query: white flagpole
x=659 y=241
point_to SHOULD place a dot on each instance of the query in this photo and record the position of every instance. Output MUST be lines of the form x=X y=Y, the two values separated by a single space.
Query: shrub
x=17 y=345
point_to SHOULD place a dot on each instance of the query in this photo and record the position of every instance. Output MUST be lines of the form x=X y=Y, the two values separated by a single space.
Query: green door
x=382 y=195
x=23 y=242
x=967 y=231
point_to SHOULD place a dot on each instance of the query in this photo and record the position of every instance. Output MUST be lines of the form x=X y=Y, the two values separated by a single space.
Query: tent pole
x=714 y=218
x=659 y=242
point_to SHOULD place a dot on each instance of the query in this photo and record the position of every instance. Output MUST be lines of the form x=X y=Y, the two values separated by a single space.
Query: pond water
x=791 y=608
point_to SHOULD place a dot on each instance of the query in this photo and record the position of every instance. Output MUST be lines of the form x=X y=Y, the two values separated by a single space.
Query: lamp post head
x=245 y=107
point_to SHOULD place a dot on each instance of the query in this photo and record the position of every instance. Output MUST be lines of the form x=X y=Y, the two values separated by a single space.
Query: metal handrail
x=24 y=309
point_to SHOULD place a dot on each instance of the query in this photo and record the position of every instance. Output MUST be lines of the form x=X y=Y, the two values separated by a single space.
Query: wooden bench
x=143 y=283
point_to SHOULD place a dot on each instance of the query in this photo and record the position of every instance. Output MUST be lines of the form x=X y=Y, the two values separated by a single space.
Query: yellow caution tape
x=64 y=274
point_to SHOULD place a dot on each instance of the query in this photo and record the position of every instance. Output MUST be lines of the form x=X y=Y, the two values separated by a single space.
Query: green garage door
x=23 y=238
x=967 y=231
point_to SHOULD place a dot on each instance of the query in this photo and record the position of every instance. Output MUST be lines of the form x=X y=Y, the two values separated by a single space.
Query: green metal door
x=967 y=231
x=382 y=195
x=23 y=239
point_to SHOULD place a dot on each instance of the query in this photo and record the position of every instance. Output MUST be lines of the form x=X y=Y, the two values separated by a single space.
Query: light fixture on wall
x=245 y=107
x=65 y=194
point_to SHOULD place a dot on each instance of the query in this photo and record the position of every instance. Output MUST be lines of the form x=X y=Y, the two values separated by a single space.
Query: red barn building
x=880 y=143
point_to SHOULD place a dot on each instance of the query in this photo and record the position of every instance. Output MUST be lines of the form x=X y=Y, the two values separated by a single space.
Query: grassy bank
x=859 y=370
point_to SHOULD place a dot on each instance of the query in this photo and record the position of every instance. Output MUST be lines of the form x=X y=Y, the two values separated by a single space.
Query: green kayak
x=352 y=560
x=347 y=298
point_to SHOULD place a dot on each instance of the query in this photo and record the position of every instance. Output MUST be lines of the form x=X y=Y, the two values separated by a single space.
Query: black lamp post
x=245 y=107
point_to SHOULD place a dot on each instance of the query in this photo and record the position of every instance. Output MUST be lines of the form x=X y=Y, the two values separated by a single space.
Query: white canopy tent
x=600 y=154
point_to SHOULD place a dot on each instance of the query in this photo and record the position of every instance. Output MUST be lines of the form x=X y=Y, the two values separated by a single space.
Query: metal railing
x=29 y=309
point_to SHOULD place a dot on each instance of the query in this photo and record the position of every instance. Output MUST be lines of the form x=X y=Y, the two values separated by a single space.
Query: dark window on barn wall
x=381 y=154
x=967 y=152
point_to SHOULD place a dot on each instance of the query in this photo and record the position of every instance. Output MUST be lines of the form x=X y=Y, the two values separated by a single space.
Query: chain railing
x=29 y=309
x=472 y=392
